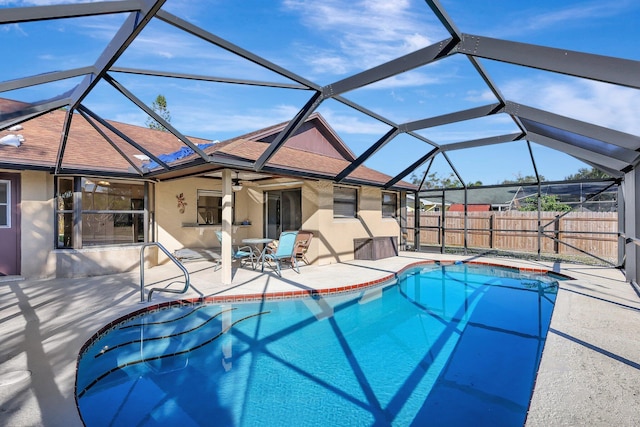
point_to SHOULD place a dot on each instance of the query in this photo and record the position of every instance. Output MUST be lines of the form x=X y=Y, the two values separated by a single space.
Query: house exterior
x=91 y=213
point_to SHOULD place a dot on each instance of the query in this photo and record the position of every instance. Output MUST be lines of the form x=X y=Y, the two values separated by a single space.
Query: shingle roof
x=314 y=150
x=302 y=161
x=85 y=148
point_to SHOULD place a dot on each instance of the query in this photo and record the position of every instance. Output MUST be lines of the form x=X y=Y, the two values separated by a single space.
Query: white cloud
x=589 y=101
x=223 y=123
x=352 y=124
x=362 y=33
x=582 y=14
x=408 y=79
x=577 y=13
x=13 y=28
x=480 y=96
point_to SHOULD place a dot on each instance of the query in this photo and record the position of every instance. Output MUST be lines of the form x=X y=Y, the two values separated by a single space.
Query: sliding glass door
x=283 y=211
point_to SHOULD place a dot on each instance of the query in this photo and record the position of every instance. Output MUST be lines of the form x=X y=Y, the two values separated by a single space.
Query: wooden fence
x=591 y=232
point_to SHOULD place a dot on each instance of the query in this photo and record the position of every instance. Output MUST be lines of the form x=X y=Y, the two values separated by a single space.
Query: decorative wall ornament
x=181 y=202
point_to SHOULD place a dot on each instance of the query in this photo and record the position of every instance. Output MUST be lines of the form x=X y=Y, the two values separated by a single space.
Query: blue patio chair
x=284 y=252
x=240 y=253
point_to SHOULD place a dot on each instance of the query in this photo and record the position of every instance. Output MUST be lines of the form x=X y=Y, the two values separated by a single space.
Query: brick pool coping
x=281 y=295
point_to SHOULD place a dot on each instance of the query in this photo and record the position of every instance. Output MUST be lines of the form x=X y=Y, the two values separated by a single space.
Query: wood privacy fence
x=591 y=232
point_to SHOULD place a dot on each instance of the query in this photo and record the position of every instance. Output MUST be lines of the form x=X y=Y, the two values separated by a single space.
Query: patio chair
x=302 y=245
x=284 y=252
x=240 y=253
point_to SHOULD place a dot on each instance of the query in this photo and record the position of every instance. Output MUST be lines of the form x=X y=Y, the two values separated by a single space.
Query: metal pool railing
x=175 y=261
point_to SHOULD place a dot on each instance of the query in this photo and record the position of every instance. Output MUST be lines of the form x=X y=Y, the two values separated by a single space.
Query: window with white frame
x=389 y=205
x=209 y=207
x=345 y=202
x=5 y=203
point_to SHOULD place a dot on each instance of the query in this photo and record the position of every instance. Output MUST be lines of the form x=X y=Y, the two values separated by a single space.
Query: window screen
x=345 y=202
x=5 y=203
x=389 y=205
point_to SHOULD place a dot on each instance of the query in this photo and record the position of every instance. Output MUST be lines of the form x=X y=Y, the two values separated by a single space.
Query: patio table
x=255 y=244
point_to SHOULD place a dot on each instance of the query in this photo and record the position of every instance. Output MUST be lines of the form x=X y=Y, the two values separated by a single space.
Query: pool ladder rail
x=175 y=261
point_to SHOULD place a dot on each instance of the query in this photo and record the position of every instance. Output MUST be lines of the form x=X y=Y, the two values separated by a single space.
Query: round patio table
x=255 y=244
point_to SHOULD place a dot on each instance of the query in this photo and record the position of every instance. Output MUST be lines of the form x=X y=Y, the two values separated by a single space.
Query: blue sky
x=326 y=41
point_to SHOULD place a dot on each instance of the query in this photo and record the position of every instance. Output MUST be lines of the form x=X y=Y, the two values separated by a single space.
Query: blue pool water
x=451 y=345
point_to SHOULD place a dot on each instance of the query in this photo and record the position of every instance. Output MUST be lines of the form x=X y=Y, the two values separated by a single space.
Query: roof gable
x=313 y=136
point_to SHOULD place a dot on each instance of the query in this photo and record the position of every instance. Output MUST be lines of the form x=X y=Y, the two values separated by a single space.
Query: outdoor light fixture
x=235 y=183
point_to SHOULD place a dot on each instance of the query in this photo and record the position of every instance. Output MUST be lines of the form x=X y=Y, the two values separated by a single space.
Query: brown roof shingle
x=314 y=149
x=85 y=148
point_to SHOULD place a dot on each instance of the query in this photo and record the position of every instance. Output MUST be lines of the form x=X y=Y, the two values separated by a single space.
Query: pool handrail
x=175 y=261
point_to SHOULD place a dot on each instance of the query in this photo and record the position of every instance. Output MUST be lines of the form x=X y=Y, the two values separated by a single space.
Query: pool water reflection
x=444 y=345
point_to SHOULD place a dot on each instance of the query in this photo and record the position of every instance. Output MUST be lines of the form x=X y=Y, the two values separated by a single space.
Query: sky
x=326 y=41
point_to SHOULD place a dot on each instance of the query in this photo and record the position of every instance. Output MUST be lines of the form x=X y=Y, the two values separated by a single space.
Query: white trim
x=210 y=193
x=281 y=184
x=7 y=205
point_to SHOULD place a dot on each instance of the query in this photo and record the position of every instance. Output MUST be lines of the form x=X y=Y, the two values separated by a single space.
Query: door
x=9 y=224
x=283 y=211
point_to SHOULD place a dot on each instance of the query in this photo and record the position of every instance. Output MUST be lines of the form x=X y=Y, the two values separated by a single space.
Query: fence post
x=556 y=234
x=491 y=219
x=417 y=221
x=443 y=221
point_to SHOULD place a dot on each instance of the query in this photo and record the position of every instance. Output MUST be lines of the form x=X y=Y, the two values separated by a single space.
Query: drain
x=13 y=377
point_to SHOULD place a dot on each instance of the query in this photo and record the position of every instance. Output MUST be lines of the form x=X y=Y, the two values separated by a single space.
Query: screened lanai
x=420 y=91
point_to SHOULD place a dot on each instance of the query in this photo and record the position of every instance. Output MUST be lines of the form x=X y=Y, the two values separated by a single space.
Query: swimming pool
x=444 y=345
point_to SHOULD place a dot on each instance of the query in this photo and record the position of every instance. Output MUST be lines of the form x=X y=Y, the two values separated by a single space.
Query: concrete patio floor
x=589 y=374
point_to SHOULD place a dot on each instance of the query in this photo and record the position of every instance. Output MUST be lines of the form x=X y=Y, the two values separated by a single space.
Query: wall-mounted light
x=235 y=183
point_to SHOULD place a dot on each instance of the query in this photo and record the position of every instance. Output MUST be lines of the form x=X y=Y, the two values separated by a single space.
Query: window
x=345 y=202
x=64 y=208
x=5 y=203
x=94 y=212
x=209 y=207
x=389 y=205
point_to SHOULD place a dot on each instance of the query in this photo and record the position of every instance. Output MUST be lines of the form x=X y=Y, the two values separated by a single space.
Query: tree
x=159 y=106
x=547 y=203
x=519 y=179
x=433 y=181
x=586 y=173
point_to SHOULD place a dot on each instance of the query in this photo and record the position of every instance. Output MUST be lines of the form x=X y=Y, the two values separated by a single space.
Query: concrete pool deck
x=589 y=374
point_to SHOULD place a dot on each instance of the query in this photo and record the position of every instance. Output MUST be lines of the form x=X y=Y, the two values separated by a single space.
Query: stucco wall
x=332 y=242
x=176 y=230
x=173 y=229
x=36 y=224
x=333 y=237
x=98 y=261
x=40 y=259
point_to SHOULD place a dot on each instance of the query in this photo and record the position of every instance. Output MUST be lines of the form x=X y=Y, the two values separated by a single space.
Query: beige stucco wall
x=333 y=237
x=173 y=231
x=98 y=261
x=332 y=242
x=177 y=230
x=36 y=224
x=40 y=259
